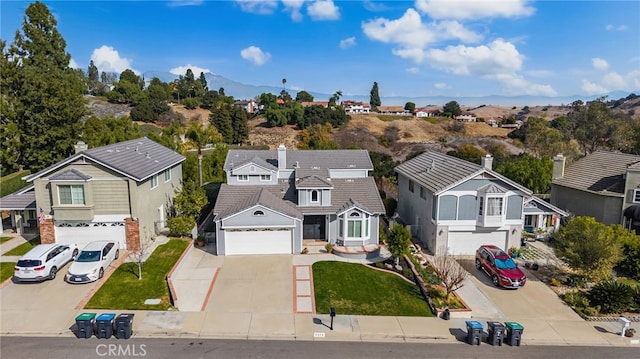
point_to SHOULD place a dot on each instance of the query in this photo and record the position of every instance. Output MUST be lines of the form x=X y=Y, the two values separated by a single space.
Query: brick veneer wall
x=47 y=231
x=132 y=228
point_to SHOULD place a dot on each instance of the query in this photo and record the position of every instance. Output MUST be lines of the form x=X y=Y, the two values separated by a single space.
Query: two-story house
x=351 y=106
x=273 y=199
x=604 y=185
x=122 y=192
x=453 y=206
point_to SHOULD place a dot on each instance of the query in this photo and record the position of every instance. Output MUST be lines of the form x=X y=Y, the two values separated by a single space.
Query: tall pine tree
x=374 y=100
x=44 y=95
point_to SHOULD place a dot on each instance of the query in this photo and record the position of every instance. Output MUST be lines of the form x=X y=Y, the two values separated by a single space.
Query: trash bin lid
x=513 y=325
x=86 y=316
x=495 y=325
x=474 y=324
x=106 y=316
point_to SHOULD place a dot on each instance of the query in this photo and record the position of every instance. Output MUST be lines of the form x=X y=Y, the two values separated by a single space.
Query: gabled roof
x=352 y=204
x=536 y=202
x=235 y=199
x=331 y=159
x=600 y=171
x=70 y=175
x=258 y=162
x=313 y=178
x=438 y=172
x=137 y=159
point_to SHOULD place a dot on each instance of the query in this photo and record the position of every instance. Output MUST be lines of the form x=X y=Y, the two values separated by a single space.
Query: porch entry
x=314 y=227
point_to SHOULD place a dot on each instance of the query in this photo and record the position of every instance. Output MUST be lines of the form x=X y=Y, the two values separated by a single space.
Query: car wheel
x=52 y=273
x=101 y=273
x=495 y=281
x=478 y=264
x=117 y=254
x=75 y=254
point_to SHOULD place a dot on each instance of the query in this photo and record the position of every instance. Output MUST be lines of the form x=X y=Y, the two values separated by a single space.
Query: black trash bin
x=104 y=325
x=496 y=333
x=474 y=332
x=84 y=325
x=124 y=326
x=514 y=333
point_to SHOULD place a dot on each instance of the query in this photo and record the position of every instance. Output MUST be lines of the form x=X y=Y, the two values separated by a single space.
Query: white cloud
x=374 y=6
x=323 y=10
x=107 y=59
x=73 y=64
x=293 y=6
x=441 y=86
x=592 y=88
x=413 y=70
x=497 y=57
x=262 y=7
x=348 y=42
x=177 y=3
x=412 y=35
x=255 y=55
x=465 y=9
x=600 y=64
x=610 y=27
x=181 y=70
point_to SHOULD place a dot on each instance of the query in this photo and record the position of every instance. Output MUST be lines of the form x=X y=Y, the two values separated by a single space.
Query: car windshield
x=506 y=263
x=28 y=263
x=88 y=256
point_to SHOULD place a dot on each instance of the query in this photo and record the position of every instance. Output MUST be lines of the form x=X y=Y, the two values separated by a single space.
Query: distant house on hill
x=248 y=105
x=467 y=117
x=392 y=110
x=351 y=106
x=429 y=111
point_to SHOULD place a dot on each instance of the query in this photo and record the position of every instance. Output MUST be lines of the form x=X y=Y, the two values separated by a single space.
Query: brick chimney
x=558 y=166
x=487 y=162
x=282 y=157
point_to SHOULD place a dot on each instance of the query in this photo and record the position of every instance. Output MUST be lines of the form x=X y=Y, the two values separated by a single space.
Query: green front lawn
x=23 y=248
x=123 y=290
x=4 y=239
x=358 y=290
x=6 y=270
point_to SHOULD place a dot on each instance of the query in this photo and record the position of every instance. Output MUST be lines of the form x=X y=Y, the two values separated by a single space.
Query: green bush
x=630 y=263
x=191 y=103
x=181 y=225
x=390 y=205
x=576 y=299
x=328 y=247
x=379 y=265
x=13 y=182
x=611 y=297
x=576 y=281
x=636 y=298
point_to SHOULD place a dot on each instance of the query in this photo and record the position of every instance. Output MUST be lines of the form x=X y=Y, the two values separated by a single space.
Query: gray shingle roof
x=313 y=178
x=258 y=161
x=438 y=172
x=332 y=159
x=361 y=191
x=19 y=200
x=599 y=171
x=70 y=175
x=138 y=159
x=234 y=199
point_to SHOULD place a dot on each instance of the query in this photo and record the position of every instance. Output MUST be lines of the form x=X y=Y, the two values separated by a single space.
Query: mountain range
x=246 y=91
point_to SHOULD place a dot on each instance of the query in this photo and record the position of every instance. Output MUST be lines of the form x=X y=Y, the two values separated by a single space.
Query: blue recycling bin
x=474 y=332
x=104 y=325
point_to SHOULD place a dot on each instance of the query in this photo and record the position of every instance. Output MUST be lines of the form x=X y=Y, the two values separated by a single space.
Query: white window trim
x=167 y=175
x=365 y=223
x=265 y=180
x=311 y=196
x=154 y=178
x=84 y=195
x=243 y=178
x=636 y=196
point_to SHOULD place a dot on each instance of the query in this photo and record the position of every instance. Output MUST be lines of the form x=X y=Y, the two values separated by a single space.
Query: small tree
x=398 y=241
x=138 y=256
x=451 y=273
x=590 y=247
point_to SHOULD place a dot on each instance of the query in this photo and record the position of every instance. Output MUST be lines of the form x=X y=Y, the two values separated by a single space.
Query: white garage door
x=466 y=243
x=81 y=235
x=258 y=242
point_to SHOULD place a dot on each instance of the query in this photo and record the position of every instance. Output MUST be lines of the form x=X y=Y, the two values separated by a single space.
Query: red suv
x=500 y=267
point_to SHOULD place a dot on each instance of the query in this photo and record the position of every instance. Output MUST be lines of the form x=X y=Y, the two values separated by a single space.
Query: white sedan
x=92 y=261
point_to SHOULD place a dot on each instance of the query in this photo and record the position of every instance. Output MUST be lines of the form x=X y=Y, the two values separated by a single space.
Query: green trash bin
x=84 y=325
x=514 y=333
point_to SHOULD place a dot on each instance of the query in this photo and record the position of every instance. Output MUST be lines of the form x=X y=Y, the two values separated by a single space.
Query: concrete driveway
x=48 y=304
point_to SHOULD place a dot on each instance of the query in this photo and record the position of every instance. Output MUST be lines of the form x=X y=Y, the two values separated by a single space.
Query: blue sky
x=411 y=48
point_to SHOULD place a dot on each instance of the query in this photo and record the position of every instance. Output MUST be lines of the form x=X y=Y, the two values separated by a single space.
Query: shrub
x=576 y=299
x=554 y=282
x=407 y=273
x=390 y=205
x=630 y=263
x=456 y=126
x=191 y=103
x=576 y=281
x=328 y=247
x=305 y=250
x=636 y=298
x=181 y=225
x=611 y=296
x=592 y=311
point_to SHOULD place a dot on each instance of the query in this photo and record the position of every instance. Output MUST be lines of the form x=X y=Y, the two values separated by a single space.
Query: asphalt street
x=71 y=348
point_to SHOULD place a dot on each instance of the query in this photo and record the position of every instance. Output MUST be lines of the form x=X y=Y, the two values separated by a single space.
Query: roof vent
x=351 y=166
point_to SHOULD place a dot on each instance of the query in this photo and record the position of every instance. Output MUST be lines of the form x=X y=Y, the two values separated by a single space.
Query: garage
x=466 y=243
x=258 y=241
x=85 y=232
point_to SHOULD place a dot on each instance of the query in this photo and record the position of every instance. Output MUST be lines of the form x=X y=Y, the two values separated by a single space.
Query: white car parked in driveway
x=43 y=262
x=92 y=262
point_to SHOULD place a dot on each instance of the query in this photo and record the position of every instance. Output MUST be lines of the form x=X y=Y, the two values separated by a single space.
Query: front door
x=313 y=227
